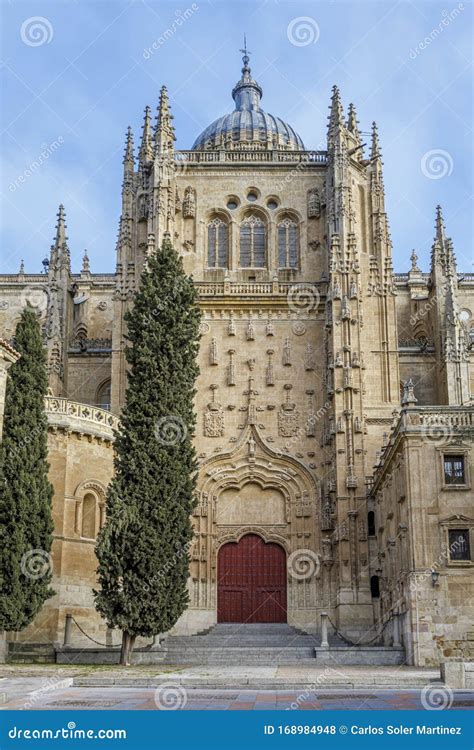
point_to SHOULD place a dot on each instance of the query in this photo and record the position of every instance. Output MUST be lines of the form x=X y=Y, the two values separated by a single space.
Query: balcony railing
x=254 y=288
x=251 y=155
x=80 y=417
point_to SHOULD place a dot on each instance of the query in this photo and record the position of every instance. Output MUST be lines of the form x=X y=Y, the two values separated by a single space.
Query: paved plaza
x=280 y=688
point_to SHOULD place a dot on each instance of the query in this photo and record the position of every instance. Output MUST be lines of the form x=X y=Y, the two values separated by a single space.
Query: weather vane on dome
x=246 y=52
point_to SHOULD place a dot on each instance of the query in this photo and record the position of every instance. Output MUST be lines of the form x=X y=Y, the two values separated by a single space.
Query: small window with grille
x=454 y=471
x=287 y=244
x=217 y=244
x=459 y=544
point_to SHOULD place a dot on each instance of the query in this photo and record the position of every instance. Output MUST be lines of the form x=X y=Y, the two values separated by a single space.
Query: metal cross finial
x=246 y=52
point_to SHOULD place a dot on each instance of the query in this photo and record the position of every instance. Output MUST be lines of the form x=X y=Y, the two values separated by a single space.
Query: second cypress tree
x=143 y=546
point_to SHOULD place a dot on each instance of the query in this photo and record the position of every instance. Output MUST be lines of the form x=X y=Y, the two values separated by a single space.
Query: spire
x=164 y=131
x=352 y=124
x=246 y=92
x=440 y=235
x=375 y=152
x=146 y=148
x=59 y=250
x=336 y=115
x=128 y=157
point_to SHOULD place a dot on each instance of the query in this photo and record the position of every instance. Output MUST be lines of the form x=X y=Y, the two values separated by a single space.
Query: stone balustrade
x=252 y=155
x=80 y=418
x=220 y=288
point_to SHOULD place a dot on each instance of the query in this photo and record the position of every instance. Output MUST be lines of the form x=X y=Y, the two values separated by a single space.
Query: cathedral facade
x=334 y=410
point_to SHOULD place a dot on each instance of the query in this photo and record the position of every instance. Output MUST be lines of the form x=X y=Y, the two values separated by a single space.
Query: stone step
x=23 y=652
x=238 y=641
x=15 y=647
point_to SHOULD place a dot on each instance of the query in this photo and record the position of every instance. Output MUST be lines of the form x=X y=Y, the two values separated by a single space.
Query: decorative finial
x=409 y=398
x=22 y=266
x=86 y=267
x=414 y=262
x=245 y=59
x=375 y=145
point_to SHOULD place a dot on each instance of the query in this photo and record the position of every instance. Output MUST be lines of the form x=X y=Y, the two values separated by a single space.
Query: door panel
x=251 y=581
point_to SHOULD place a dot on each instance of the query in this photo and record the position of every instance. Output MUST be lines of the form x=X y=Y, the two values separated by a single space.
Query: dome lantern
x=248 y=126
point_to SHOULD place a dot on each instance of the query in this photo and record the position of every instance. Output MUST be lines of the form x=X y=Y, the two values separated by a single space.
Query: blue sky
x=72 y=97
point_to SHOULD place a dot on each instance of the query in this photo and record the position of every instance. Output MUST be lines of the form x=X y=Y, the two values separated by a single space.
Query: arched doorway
x=251 y=581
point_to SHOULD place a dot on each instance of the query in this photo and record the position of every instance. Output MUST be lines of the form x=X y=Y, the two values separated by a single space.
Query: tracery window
x=252 y=243
x=287 y=244
x=217 y=244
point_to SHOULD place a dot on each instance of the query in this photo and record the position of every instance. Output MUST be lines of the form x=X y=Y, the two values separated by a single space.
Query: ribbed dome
x=248 y=125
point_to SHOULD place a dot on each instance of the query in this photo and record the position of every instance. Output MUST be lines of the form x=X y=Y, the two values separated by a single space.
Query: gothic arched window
x=88 y=516
x=252 y=243
x=287 y=244
x=217 y=244
x=371 y=522
x=103 y=396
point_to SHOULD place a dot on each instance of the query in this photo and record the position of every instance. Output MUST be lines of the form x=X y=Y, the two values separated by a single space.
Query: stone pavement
x=171 y=696
x=304 y=687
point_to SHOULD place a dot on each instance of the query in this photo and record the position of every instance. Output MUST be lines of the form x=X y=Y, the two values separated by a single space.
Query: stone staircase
x=244 y=644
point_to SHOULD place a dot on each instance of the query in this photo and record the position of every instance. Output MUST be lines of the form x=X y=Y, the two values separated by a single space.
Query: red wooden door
x=251 y=581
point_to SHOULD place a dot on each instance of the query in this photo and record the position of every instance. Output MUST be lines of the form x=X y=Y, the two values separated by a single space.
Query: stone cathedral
x=335 y=416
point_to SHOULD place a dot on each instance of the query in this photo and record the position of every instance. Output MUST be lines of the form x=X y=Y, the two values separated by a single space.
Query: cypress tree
x=143 y=547
x=26 y=493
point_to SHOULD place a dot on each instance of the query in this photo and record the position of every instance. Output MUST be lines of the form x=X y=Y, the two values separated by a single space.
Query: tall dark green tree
x=143 y=546
x=26 y=493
